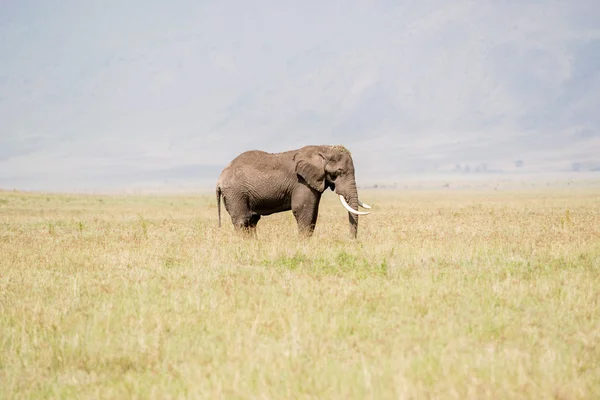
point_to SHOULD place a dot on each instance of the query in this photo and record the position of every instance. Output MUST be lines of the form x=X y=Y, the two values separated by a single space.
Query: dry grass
x=445 y=294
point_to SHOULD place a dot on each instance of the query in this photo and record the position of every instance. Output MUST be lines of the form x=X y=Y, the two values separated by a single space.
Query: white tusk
x=350 y=209
x=363 y=205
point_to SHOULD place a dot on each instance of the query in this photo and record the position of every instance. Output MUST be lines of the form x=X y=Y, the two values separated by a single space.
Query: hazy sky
x=131 y=91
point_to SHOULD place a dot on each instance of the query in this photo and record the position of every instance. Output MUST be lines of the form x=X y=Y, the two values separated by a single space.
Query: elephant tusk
x=350 y=209
x=363 y=205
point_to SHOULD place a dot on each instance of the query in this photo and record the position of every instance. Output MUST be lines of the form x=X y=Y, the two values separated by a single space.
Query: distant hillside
x=174 y=91
x=431 y=87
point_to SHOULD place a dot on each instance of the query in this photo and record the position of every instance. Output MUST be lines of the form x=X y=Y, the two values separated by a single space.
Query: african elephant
x=257 y=183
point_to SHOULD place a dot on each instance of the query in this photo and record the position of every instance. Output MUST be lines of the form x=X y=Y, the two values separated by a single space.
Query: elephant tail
x=219 y=204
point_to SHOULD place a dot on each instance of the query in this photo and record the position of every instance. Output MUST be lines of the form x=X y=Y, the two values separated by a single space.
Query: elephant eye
x=339 y=172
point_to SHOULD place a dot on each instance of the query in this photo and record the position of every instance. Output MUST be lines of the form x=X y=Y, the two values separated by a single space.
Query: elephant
x=257 y=183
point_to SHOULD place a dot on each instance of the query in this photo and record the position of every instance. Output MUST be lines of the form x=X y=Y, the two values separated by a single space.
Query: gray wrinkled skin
x=257 y=183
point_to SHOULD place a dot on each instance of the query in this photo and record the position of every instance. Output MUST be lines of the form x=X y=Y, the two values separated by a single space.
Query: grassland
x=446 y=294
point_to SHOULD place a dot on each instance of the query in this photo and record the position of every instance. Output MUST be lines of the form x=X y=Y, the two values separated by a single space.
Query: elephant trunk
x=350 y=201
x=353 y=203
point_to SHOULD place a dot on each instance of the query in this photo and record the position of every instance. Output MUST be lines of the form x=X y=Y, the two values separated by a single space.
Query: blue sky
x=117 y=93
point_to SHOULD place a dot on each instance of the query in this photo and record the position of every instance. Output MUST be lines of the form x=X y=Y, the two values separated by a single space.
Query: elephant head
x=323 y=167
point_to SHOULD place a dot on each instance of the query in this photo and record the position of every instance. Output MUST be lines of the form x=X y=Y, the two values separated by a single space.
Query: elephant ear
x=312 y=169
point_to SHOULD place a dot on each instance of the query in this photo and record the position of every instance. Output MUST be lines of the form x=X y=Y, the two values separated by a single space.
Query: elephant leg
x=242 y=218
x=252 y=224
x=305 y=207
x=245 y=225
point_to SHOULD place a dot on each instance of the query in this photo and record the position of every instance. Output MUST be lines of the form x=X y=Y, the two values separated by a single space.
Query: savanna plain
x=465 y=294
